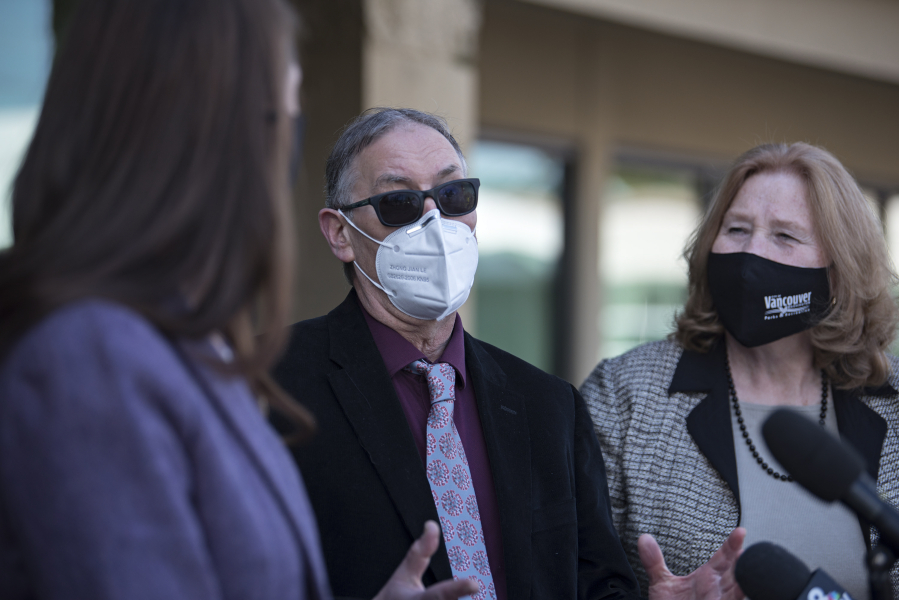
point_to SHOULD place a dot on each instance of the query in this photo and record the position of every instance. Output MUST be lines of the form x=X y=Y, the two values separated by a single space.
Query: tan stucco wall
x=853 y=36
x=538 y=73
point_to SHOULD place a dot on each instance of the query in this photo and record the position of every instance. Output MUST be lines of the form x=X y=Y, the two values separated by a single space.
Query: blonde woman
x=790 y=306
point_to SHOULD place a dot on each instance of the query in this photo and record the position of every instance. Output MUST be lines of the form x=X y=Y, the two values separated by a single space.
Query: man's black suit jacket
x=370 y=493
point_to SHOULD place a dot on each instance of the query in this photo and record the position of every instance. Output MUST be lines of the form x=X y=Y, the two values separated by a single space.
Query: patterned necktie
x=450 y=481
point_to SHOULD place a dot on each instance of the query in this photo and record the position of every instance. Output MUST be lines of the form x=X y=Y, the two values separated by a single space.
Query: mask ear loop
x=348 y=220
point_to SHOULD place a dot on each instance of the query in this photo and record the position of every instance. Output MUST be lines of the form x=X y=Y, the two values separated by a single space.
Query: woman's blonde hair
x=851 y=342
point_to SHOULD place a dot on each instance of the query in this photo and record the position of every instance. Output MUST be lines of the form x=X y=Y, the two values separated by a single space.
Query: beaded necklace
x=745 y=432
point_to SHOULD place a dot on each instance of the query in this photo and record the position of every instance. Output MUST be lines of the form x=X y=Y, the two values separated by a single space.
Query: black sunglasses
x=401 y=207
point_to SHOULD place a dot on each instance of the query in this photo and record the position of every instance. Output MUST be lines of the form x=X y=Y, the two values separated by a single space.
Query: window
x=648 y=215
x=521 y=238
x=26 y=48
x=891 y=229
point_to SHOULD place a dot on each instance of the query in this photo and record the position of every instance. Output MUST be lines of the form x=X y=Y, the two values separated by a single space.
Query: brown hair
x=851 y=342
x=158 y=174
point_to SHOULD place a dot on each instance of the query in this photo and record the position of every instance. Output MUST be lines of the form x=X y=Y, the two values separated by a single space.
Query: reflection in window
x=891 y=229
x=891 y=210
x=26 y=46
x=648 y=215
x=520 y=239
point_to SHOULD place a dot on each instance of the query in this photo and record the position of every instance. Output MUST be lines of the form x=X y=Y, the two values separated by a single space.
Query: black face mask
x=760 y=301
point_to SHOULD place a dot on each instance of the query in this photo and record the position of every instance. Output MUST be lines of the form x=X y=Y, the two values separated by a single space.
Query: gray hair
x=362 y=132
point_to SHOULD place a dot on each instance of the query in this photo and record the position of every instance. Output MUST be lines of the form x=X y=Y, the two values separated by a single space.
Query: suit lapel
x=863 y=428
x=366 y=394
x=232 y=399
x=709 y=423
x=504 y=422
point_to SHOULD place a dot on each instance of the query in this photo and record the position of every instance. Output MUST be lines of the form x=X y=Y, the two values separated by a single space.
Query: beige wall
x=853 y=36
x=537 y=73
x=607 y=86
x=423 y=55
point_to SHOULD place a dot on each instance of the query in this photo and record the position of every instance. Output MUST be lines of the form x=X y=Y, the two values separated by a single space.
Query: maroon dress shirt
x=412 y=390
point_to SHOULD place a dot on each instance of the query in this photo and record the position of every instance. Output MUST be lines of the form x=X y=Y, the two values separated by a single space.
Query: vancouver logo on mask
x=777 y=306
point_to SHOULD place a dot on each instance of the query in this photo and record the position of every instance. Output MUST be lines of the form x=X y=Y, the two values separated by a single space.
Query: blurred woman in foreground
x=152 y=244
x=790 y=305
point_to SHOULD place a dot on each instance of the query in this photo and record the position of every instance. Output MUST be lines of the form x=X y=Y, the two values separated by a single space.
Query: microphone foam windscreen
x=815 y=458
x=765 y=571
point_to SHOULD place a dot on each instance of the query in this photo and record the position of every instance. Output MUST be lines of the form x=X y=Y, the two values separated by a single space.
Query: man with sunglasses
x=418 y=420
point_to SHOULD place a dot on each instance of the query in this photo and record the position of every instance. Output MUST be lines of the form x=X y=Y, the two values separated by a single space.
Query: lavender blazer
x=129 y=468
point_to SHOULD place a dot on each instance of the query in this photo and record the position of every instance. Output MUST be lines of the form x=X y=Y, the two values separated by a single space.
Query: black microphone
x=765 y=571
x=829 y=469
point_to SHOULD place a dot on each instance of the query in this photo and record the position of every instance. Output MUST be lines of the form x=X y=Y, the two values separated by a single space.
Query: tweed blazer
x=663 y=420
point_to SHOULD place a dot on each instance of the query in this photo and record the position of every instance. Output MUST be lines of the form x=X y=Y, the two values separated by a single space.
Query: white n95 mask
x=426 y=268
